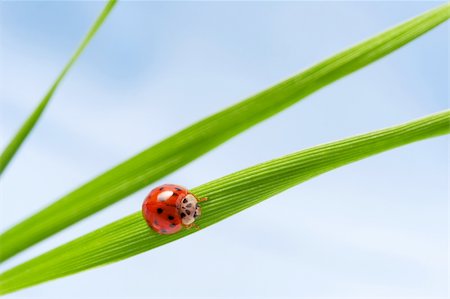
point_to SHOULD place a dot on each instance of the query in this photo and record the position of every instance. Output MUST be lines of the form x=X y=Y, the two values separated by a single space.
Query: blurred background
x=376 y=228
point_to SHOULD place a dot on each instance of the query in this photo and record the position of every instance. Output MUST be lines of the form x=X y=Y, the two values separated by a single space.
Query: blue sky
x=376 y=228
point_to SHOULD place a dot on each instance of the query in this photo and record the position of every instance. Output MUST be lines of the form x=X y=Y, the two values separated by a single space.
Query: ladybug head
x=189 y=209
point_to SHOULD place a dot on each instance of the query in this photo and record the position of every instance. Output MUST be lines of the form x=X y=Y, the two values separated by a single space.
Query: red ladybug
x=170 y=207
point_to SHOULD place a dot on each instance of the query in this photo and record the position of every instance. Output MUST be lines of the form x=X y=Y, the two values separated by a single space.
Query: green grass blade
x=192 y=142
x=226 y=196
x=14 y=145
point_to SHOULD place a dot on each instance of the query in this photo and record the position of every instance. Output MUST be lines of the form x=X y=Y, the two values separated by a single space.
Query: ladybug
x=170 y=207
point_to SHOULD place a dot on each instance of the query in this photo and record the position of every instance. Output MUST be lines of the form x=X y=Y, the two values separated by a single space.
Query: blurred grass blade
x=192 y=142
x=28 y=125
x=226 y=196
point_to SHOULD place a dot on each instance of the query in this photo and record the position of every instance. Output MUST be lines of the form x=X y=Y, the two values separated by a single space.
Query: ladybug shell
x=160 y=208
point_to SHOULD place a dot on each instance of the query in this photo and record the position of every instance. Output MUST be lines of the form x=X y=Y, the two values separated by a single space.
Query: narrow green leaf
x=192 y=142
x=226 y=196
x=28 y=125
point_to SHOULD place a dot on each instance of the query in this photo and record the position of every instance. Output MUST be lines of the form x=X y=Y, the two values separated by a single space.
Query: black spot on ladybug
x=195 y=215
x=188 y=212
x=178 y=189
x=163 y=231
x=171 y=217
x=185 y=200
x=183 y=215
x=172 y=225
x=159 y=210
x=161 y=188
x=155 y=222
x=188 y=205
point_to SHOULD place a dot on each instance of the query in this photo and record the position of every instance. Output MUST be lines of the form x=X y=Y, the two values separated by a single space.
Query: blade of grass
x=14 y=145
x=226 y=196
x=190 y=143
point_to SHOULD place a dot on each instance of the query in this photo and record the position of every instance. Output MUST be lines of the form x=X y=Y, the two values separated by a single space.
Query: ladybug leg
x=202 y=199
x=192 y=225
